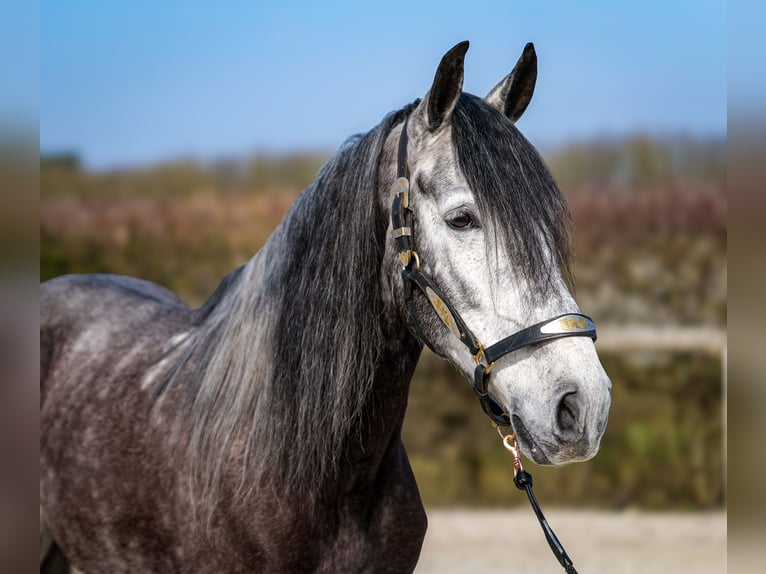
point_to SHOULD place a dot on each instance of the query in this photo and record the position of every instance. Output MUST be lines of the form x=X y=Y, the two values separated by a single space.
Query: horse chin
x=563 y=457
x=527 y=443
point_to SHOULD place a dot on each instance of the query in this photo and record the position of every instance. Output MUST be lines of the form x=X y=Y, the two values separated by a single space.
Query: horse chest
x=375 y=527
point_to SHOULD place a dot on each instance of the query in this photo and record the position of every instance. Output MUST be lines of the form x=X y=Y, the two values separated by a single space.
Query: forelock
x=515 y=193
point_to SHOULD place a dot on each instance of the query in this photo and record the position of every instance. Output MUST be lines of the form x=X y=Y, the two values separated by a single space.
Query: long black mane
x=289 y=344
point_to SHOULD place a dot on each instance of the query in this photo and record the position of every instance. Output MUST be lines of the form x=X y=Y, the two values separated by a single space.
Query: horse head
x=490 y=228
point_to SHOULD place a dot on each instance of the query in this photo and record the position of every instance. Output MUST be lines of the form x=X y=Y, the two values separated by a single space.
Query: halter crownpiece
x=566 y=325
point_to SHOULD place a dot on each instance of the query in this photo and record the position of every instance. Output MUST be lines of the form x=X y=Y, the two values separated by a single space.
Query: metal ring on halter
x=480 y=358
x=500 y=431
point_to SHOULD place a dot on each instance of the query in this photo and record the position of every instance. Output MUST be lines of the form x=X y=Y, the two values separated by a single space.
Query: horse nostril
x=568 y=416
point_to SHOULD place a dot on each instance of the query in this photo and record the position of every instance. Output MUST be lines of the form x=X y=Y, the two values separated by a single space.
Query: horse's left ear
x=511 y=96
x=441 y=99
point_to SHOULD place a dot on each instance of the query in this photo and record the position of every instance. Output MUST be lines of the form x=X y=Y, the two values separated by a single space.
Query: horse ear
x=448 y=84
x=511 y=96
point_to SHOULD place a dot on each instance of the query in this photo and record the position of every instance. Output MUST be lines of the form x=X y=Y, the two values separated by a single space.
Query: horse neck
x=376 y=431
x=379 y=431
x=382 y=355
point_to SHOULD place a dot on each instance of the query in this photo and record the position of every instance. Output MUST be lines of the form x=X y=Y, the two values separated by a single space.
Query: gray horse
x=262 y=431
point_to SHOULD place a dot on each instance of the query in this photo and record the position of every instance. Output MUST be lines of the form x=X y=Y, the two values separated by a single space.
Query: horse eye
x=459 y=220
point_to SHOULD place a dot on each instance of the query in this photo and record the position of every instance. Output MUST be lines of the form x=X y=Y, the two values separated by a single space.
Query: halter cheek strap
x=566 y=325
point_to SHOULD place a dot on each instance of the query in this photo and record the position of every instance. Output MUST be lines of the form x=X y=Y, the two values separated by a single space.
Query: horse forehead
x=438 y=167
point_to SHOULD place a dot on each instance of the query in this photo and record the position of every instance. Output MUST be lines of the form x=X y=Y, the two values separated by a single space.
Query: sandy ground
x=598 y=542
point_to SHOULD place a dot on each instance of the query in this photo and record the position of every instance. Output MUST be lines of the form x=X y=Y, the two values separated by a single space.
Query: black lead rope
x=414 y=279
x=523 y=481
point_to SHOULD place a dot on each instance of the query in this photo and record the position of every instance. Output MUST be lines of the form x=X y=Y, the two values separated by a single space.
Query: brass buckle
x=401 y=186
x=481 y=359
x=407 y=256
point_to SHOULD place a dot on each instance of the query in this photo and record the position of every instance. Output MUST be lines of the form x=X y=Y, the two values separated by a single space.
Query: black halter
x=566 y=325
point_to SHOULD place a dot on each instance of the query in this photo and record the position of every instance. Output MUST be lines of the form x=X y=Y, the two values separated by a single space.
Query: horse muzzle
x=571 y=433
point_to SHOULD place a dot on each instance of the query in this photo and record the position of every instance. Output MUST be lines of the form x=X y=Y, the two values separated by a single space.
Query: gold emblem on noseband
x=572 y=324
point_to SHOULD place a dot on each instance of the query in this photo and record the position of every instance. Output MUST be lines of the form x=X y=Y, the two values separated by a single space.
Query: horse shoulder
x=100 y=337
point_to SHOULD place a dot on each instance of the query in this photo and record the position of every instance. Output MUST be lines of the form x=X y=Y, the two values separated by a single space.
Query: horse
x=262 y=430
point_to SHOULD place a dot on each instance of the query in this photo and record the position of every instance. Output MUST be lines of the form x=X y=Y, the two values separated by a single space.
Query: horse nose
x=570 y=417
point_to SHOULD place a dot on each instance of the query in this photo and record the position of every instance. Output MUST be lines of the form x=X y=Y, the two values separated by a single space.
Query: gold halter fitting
x=481 y=358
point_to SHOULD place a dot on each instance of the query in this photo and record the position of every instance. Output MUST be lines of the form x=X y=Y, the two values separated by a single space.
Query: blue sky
x=140 y=82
